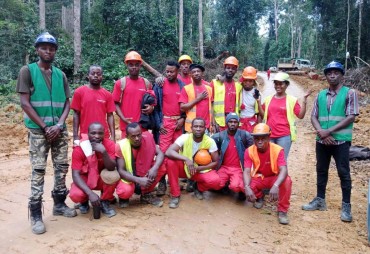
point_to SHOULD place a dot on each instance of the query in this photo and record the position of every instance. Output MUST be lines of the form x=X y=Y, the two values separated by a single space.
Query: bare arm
x=76 y=124
x=93 y=197
x=110 y=120
x=187 y=106
x=274 y=191
x=304 y=104
x=211 y=165
x=29 y=110
x=109 y=163
x=142 y=181
x=120 y=114
x=247 y=181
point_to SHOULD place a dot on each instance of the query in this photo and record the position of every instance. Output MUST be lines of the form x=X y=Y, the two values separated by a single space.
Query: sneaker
x=346 y=214
x=316 y=204
x=84 y=207
x=150 y=199
x=198 y=194
x=161 y=189
x=190 y=186
x=174 y=202
x=258 y=203
x=283 y=218
x=106 y=209
x=123 y=203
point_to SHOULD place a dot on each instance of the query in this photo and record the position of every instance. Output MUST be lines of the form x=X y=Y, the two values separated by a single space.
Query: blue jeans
x=285 y=142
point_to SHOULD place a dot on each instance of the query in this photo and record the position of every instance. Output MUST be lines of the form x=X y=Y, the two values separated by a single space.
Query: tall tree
x=42 y=14
x=181 y=26
x=77 y=35
x=200 y=23
x=360 y=3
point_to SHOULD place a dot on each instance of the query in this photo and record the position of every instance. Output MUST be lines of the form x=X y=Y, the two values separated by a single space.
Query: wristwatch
x=60 y=126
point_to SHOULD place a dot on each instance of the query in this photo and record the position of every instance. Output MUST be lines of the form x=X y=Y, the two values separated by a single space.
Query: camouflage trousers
x=39 y=148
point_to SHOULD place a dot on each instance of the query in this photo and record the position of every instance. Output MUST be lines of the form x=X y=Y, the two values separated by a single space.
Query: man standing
x=332 y=116
x=232 y=144
x=265 y=168
x=180 y=164
x=92 y=103
x=139 y=163
x=167 y=113
x=88 y=160
x=184 y=75
x=226 y=95
x=128 y=93
x=195 y=99
x=44 y=97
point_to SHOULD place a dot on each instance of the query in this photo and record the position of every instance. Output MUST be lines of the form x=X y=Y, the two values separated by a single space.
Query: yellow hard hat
x=185 y=57
x=232 y=61
x=133 y=56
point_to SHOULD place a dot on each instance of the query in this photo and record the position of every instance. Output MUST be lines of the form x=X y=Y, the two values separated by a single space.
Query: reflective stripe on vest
x=187 y=150
x=290 y=103
x=337 y=113
x=49 y=105
x=192 y=113
x=219 y=100
x=274 y=154
x=125 y=146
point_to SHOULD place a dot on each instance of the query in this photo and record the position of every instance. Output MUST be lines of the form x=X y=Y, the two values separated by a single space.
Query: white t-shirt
x=249 y=101
x=180 y=141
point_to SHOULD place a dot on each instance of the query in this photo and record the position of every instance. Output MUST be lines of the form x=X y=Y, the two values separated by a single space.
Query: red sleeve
x=111 y=148
x=78 y=158
x=263 y=107
x=297 y=108
x=117 y=91
x=118 y=152
x=76 y=100
x=183 y=97
x=110 y=103
x=281 y=159
x=247 y=160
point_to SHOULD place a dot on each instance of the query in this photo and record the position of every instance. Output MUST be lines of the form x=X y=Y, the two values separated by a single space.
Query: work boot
x=316 y=204
x=198 y=194
x=123 y=203
x=161 y=189
x=174 y=202
x=258 y=203
x=346 y=214
x=37 y=224
x=190 y=185
x=106 y=209
x=283 y=218
x=150 y=199
x=84 y=207
x=60 y=207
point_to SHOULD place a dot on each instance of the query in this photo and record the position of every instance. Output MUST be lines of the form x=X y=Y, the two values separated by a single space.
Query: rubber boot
x=106 y=209
x=60 y=207
x=37 y=224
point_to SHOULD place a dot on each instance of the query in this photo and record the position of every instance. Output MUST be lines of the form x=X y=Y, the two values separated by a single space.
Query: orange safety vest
x=192 y=113
x=274 y=153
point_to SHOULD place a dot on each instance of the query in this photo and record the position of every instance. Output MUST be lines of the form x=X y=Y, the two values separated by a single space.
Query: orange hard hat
x=249 y=73
x=202 y=157
x=261 y=129
x=231 y=60
x=133 y=56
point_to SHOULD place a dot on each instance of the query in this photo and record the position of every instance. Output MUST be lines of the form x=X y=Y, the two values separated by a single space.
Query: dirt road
x=218 y=224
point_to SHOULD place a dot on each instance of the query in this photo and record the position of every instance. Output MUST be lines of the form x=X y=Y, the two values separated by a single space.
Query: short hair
x=198 y=119
x=95 y=66
x=95 y=123
x=132 y=125
x=173 y=63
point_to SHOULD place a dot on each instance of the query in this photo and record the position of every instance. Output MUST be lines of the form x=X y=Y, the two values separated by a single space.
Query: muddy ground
x=218 y=224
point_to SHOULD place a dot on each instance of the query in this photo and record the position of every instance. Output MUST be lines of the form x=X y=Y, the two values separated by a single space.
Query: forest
x=258 y=33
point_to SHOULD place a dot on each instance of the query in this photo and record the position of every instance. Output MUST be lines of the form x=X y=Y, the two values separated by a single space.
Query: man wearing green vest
x=44 y=97
x=226 y=95
x=332 y=116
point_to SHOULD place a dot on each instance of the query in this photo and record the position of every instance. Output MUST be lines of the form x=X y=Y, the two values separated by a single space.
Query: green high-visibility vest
x=48 y=104
x=337 y=113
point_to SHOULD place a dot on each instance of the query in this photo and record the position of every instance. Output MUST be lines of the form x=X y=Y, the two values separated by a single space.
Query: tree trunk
x=348 y=10
x=181 y=26
x=276 y=18
x=292 y=41
x=151 y=70
x=64 y=19
x=360 y=3
x=42 y=14
x=76 y=36
x=200 y=23
x=299 y=48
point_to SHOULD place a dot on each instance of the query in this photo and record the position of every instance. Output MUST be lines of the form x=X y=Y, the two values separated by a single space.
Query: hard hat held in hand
x=202 y=157
x=110 y=177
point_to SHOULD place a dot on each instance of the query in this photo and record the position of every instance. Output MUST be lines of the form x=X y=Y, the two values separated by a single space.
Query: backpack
x=123 y=86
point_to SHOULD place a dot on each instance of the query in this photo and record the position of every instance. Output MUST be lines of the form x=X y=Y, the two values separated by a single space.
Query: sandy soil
x=218 y=224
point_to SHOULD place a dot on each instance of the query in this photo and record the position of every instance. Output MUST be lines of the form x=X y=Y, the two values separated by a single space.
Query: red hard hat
x=202 y=157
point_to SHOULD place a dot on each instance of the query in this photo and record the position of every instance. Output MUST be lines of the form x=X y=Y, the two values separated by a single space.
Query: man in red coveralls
x=265 y=168
x=93 y=155
x=128 y=98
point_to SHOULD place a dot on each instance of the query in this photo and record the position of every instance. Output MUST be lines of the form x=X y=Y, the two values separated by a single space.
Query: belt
x=172 y=117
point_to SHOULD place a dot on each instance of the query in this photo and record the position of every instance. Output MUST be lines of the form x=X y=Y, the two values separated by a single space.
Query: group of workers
x=218 y=135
